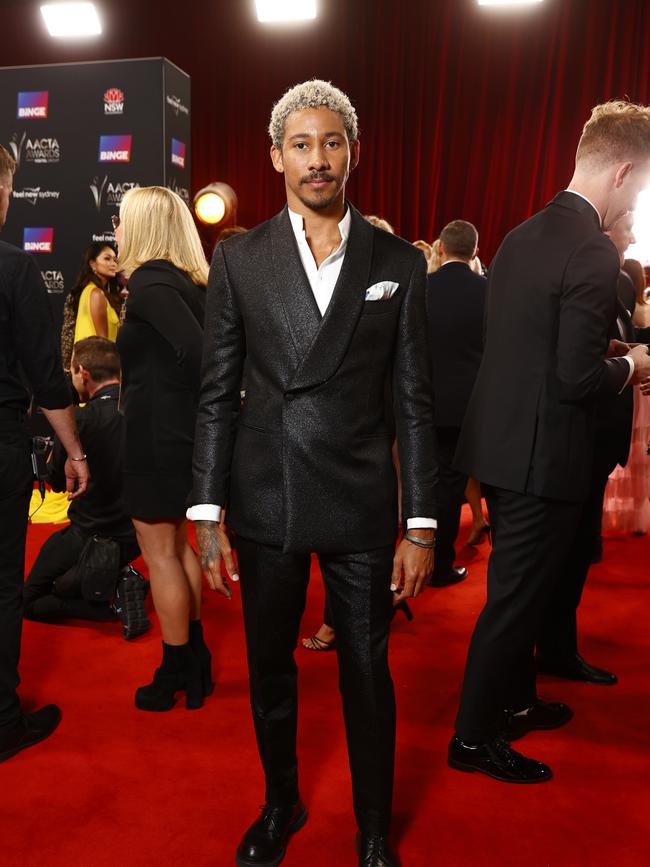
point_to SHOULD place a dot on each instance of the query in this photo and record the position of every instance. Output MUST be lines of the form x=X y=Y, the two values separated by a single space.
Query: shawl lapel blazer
x=530 y=423
x=305 y=462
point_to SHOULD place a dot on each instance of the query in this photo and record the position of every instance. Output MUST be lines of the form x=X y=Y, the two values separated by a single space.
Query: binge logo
x=32 y=104
x=178 y=153
x=114 y=101
x=115 y=148
x=38 y=240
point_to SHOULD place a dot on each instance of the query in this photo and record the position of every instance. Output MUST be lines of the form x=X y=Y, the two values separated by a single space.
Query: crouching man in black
x=53 y=589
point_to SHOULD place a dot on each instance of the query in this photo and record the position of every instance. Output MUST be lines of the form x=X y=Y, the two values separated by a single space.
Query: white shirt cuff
x=421 y=524
x=630 y=361
x=204 y=512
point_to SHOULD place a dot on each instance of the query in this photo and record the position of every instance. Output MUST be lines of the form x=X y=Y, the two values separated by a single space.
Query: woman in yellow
x=93 y=304
x=91 y=308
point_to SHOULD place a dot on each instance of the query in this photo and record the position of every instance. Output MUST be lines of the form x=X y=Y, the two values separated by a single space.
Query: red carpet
x=115 y=786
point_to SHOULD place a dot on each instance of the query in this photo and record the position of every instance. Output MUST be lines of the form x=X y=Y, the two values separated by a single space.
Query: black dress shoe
x=498 y=760
x=455 y=575
x=542 y=715
x=373 y=851
x=30 y=729
x=265 y=842
x=575 y=668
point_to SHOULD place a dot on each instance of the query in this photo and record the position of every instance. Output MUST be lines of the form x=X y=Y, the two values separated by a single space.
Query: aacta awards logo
x=16 y=144
x=178 y=153
x=183 y=192
x=39 y=151
x=115 y=148
x=110 y=195
x=54 y=282
x=114 y=101
x=32 y=104
x=38 y=240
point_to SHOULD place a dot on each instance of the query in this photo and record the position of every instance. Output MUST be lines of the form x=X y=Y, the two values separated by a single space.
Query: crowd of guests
x=157 y=400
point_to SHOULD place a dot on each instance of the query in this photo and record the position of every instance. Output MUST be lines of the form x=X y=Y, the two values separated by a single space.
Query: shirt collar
x=298 y=226
x=459 y=261
x=589 y=202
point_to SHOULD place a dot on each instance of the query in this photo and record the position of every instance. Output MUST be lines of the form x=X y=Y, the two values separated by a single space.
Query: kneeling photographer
x=82 y=571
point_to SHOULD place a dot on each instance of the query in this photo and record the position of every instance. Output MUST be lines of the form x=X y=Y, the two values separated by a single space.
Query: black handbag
x=98 y=569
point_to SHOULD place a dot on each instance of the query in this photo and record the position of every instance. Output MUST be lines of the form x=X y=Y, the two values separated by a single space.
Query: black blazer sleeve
x=413 y=402
x=223 y=361
x=587 y=310
x=161 y=305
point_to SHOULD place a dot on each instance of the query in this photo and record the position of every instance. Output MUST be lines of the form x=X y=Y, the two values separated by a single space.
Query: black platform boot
x=202 y=652
x=180 y=669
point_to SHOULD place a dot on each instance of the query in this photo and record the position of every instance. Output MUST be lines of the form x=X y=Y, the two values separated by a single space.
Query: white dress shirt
x=322 y=279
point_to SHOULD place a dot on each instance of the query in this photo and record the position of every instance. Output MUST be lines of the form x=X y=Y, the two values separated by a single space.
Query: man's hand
x=213 y=544
x=76 y=477
x=617 y=349
x=641 y=363
x=412 y=566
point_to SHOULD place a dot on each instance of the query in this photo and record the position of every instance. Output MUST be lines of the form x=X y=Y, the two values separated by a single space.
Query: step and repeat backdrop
x=82 y=134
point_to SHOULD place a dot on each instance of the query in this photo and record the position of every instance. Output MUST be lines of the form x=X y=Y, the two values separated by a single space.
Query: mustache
x=317 y=176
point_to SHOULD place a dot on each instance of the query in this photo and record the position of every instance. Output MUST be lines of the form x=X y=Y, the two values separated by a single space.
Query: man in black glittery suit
x=326 y=314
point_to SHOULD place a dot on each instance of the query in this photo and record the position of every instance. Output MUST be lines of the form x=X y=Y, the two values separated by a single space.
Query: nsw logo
x=115 y=148
x=178 y=153
x=32 y=104
x=114 y=101
x=38 y=240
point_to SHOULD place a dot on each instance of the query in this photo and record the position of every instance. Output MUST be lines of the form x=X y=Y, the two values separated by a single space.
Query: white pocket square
x=381 y=291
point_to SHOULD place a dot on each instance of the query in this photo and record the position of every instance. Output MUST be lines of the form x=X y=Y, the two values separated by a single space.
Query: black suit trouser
x=49 y=596
x=274 y=586
x=532 y=537
x=450 y=494
x=16 y=482
x=558 y=634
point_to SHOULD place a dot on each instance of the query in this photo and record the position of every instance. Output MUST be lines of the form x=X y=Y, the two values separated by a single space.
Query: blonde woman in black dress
x=160 y=344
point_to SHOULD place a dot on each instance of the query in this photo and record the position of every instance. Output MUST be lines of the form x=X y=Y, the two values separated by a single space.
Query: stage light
x=286 y=10
x=71 y=19
x=215 y=204
x=507 y=2
x=641 y=249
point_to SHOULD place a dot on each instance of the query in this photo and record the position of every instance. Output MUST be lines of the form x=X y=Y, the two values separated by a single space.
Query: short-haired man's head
x=7 y=163
x=616 y=132
x=99 y=357
x=459 y=239
x=312 y=94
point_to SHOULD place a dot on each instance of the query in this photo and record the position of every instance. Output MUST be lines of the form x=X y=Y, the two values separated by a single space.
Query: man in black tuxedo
x=528 y=433
x=326 y=316
x=455 y=308
x=557 y=639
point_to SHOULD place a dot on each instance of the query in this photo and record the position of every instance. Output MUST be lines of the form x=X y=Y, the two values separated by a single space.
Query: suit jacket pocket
x=379 y=307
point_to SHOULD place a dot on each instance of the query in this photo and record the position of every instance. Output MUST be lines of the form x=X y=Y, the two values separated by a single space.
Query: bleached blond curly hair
x=313 y=94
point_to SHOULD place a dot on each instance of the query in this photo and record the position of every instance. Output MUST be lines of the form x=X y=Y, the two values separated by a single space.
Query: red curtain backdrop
x=465 y=111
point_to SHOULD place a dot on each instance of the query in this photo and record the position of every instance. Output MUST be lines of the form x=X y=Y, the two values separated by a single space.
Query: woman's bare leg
x=170 y=585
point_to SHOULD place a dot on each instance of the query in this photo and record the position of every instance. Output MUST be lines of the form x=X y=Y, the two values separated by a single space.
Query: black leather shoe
x=454 y=576
x=30 y=729
x=498 y=760
x=373 y=851
x=575 y=668
x=542 y=715
x=265 y=842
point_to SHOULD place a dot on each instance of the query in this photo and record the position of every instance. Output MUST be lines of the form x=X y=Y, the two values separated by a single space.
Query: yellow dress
x=54 y=509
x=84 y=326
